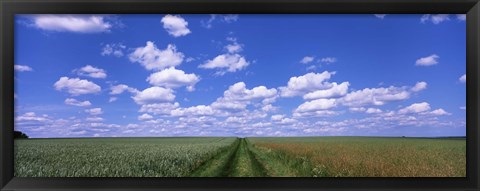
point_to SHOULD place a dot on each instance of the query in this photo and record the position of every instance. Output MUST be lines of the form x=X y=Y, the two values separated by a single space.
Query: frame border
x=8 y=8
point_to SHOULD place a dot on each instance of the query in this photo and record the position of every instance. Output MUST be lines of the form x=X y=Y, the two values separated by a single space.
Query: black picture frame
x=8 y=8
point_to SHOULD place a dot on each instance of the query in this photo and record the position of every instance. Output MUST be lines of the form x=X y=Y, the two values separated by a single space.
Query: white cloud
x=315 y=105
x=113 y=49
x=145 y=117
x=229 y=18
x=234 y=48
x=239 y=92
x=31 y=116
x=375 y=96
x=153 y=58
x=173 y=78
x=462 y=17
x=112 y=99
x=380 y=16
x=159 y=108
x=72 y=23
x=94 y=119
x=435 y=19
x=228 y=62
x=175 y=25
x=307 y=59
x=119 y=89
x=463 y=78
x=428 y=61
x=373 y=110
x=154 y=95
x=439 y=112
x=299 y=85
x=74 y=102
x=76 y=86
x=415 y=108
x=22 y=68
x=92 y=72
x=194 y=110
x=328 y=60
x=94 y=111
x=277 y=117
x=463 y=108
x=335 y=91
x=357 y=109
x=419 y=86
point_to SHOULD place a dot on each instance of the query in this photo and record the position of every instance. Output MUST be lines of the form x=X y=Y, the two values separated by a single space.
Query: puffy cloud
x=173 y=78
x=234 y=47
x=94 y=111
x=92 y=72
x=415 y=108
x=239 y=92
x=72 y=23
x=373 y=110
x=226 y=62
x=175 y=25
x=419 y=86
x=22 y=68
x=315 y=105
x=428 y=61
x=153 y=58
x=439 y=112
x=306 y=83
x=435 y=19
x=145 y=117
x=277 y=117
x=335 y=91
x=154 y=95
x=328 y=60
x=375 y=96
x=380 y=16
x=113 y=49
x=31 y=116
x=159 y=108
x=94 y=119
x=463 y=78
x=76 y=86
x=357 y=109
x=74 y=102
x=194 y=110
x=119 y=89
x=307 y=59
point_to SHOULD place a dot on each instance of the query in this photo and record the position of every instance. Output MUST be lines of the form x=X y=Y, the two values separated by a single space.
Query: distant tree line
x=19 y=135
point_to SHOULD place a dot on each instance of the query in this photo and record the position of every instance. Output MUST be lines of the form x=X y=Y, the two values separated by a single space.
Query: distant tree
x=19 y=135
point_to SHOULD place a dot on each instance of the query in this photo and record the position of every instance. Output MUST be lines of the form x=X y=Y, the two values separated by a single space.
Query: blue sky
x=240 y=75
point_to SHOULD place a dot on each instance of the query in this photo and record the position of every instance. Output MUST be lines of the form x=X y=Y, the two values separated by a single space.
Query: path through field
x=238 y=161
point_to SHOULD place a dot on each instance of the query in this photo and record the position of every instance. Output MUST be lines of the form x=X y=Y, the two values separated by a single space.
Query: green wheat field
x=241 y=157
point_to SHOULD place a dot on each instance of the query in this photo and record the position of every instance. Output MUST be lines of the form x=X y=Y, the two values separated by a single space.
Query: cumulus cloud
x=307 y=59
x=277 y=117
x=439 y=112
x=463 y=78
x=237 y=97
x=94 y=119
x=226 y=63
x=175 y=25
x=336 y=90
x=198 y=110
x=315 y=105
x=154 y=95
x=373 y=110
x=22 y=68
x=380 y=16
x=115 y=49
x=153 y=58
x=159 y=108
x=74 y=102
x=415 y=108
x=173 y=78
x=419 y=86
x=92 y=72
x=94 y=111
x=375 y=96
x=72 y=23
x=145 y=117
x=435 y=18
x=119 y=89
x=31 y=116
x=428 y=61
x=76 y=86
x=300 y=85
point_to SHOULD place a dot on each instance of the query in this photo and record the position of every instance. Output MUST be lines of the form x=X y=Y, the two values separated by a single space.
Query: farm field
x=241 y=157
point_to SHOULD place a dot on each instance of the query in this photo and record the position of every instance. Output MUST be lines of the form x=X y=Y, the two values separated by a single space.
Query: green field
x=241 y=157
